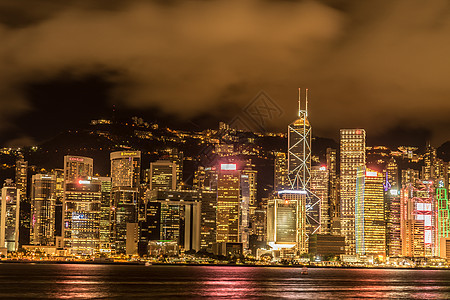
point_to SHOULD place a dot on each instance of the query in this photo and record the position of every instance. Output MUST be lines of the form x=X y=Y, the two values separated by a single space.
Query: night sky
x=380 y=65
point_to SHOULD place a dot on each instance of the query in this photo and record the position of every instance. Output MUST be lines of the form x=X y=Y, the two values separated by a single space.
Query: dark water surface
x=68 y=281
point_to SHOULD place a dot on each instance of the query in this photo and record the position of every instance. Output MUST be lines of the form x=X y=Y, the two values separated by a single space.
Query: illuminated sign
x=394 y=192
x=291 y=192
x=128 y=153
x=371 y=174
x=323 y=168
x=228 y=167
x=84 y=182
x=76 y=159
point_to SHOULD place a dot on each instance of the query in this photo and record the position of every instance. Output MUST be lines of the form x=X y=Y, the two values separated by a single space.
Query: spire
x=299 y=107
x=306 y=108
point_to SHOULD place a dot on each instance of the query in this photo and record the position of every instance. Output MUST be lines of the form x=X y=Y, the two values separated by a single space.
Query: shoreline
x=212 y=265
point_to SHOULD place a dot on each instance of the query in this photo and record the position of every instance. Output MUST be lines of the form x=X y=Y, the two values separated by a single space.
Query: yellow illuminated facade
x=370 y=234
x=228 y=203
x=353 y=155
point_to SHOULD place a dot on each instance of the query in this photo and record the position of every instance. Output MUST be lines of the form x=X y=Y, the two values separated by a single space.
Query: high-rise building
x=208 y=229
x=59 y=193
x=319 y=187
x=392 y=209
x=409 y=176
x=333 y=191
x=418 y=216
x=43 y=200
x=352 y=144
x=105 y=214
x=175 y=216
x=77 y=167
x=177 y=157
x=79 y=209
x=299 y=164
x=21 y=177
x=9 y=217
x=125 y=184
x=280 y=172
x=163 y=175
x=443 y=219
x=370 y=234
x=205 y=179
x=81 y=217
x=286 y=221
x=228 y=203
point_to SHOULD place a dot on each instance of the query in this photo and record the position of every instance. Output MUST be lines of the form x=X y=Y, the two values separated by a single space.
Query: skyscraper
x=370 y=235
x=163 y=175
x=443 y=218
x=286 y=226
x=228 y=203
x=21 y=177
x=418 y=217
x=105 y=213
x=80 y=208
x=280 y=172
x=9 y=217
x=319 y=187
x=81 y=218
x=352 y=144
x=299 y=164
x=125 y=184
x=43 y=200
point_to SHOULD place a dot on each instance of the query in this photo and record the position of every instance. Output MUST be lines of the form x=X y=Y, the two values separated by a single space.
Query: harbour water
x=72 y=281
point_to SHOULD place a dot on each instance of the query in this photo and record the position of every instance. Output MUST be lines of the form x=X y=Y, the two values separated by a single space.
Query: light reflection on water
x=115 y=281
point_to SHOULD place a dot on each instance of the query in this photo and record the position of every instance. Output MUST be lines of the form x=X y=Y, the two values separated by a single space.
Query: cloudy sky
x=379 y=65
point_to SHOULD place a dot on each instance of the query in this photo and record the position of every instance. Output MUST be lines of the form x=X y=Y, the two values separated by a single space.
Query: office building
x=43 y=201
x=228 y=203
x=352 y=145
x=319 y=187
x=443 y=219
x=370 y=231
x=81 y=217
x=9 y=217
x=163 y=175
x=105 y=213
x=280 y=172
x=125 y=184
x=418 y=216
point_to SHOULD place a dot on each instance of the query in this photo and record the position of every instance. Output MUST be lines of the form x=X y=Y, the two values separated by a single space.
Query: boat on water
x=304 y=271
x=147 y=263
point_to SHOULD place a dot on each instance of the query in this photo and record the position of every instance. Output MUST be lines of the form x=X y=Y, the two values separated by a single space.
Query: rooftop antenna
x=306 y=108
x=299 y=107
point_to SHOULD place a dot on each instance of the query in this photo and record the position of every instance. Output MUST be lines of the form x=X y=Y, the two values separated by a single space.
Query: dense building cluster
x=346 y=206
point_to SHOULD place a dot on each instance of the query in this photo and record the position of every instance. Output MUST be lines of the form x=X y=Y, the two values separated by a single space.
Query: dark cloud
x=376 y=66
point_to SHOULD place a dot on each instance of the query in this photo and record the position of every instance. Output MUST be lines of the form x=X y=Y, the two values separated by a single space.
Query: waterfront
x=71 y=281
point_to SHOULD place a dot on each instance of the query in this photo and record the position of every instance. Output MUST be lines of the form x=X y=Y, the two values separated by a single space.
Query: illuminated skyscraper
x=392 y=209
x=443 y=219
x=228 y=203
x=43 y=200
x=105 y=213
x=163 y=175
x=9 y=217
x=125 y=184
x=205 y=179
x=81 y=206
x=418 y=216
x=280 y=172
x=286 y=221
x=59 y=193
x=177 y=157
x=77 y=167
x=299 y=164
x=409 y=176
x=333 y=191
x=370 y=234
x=81 y=218
x=353 y=155
x=319 y=186
x=21 y=177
